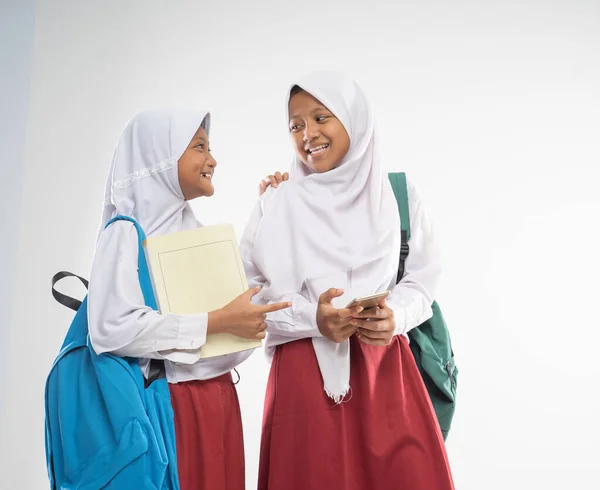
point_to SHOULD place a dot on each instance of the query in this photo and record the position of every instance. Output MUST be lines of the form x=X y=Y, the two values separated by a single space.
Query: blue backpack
x=104 y=428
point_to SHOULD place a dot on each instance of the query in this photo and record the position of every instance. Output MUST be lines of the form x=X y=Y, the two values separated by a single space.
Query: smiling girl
x=162 y=161
x=346 y=408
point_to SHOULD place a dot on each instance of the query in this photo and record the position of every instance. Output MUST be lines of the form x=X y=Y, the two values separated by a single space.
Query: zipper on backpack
x=449 y=371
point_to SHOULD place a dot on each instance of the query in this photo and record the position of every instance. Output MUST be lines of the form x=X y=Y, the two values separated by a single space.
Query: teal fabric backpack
x=429 y=342
x=106 y=428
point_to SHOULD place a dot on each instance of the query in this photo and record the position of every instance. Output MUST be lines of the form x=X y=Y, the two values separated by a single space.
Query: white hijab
x=319 y=225
x=143 y=181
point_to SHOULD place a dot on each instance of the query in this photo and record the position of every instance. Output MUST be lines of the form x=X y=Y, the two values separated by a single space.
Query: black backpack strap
x=404 y=249
x=63 y=299
x=156 y=371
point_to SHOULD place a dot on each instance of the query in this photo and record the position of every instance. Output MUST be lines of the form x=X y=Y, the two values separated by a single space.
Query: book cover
x=198 y=271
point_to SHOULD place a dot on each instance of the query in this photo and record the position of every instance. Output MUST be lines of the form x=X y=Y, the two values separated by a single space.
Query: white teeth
x=317 y=149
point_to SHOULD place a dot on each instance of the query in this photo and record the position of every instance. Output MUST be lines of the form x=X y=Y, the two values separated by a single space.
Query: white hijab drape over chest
x=318 y=225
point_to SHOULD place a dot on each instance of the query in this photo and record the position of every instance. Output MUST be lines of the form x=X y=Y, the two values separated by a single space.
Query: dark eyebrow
x=320 y=108
x=316 y=109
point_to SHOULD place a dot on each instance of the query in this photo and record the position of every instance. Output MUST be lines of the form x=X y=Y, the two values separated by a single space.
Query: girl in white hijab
x=162 y=161
x=346 y=407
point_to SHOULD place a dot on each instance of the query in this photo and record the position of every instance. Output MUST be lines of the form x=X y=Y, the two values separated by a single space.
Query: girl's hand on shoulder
x=272 y=180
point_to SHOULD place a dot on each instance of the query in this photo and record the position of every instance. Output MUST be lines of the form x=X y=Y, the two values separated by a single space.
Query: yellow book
x=198 y=271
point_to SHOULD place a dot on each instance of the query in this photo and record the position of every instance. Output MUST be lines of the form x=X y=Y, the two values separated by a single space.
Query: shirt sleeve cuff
x=406 y=318
x=307 y=315
x=191 y=335
x=400 y=320
x=191 y=331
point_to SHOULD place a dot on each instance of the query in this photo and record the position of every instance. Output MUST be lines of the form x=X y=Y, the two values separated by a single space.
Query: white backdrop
x=491 y=107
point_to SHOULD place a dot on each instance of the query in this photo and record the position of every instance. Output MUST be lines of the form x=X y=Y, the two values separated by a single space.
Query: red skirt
x=385 y=437
x=208 y=434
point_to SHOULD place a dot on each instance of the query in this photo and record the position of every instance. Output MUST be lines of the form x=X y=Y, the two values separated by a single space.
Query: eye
x=322 y=118
x=295 y=127
x=200 y=145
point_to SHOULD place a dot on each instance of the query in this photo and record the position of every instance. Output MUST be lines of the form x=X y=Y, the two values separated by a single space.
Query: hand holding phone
x=375 y=324
x=367 y=302
x=334 y=323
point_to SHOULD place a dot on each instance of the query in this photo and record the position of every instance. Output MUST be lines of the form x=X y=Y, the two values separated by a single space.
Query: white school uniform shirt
x=120 y=323
x=143 y=184
x=338 y=229
x=410 y=299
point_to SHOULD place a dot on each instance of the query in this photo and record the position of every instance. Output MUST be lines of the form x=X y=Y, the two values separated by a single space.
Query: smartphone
x=368 y=301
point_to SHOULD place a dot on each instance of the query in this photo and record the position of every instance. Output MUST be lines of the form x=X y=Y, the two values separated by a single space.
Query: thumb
x=331 y=293
x=252 y=292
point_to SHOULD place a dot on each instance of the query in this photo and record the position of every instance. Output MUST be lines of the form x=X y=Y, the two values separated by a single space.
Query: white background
x=491 y=107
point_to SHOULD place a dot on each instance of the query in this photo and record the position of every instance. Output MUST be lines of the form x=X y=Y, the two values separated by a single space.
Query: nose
x=311 y=132
x=212 y=163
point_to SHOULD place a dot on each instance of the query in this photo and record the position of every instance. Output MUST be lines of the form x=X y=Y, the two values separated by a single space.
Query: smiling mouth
x=206 y=175
x=317 y=150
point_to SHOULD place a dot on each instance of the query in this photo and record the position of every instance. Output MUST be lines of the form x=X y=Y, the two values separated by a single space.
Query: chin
x=322 y=167
x=202 y=192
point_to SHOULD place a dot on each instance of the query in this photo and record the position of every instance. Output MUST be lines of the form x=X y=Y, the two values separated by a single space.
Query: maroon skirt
x=384 y=437
x=208 y=433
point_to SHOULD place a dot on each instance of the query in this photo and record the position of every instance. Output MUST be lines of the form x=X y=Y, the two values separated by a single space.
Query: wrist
x=319 y=322
x=217 y=321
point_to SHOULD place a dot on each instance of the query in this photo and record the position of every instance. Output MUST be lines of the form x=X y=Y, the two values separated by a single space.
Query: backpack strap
x=63 y=299
x=143 y=271
x=398 y=181
x=157 y=366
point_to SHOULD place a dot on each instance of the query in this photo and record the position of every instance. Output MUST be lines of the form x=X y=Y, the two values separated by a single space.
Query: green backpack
x=430 y=341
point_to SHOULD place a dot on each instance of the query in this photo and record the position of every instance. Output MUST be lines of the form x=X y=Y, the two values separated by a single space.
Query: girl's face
x=196 y=168
x=319 y=138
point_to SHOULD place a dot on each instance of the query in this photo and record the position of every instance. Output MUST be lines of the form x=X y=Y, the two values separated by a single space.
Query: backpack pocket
x=104 y=468
x=431 y=347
